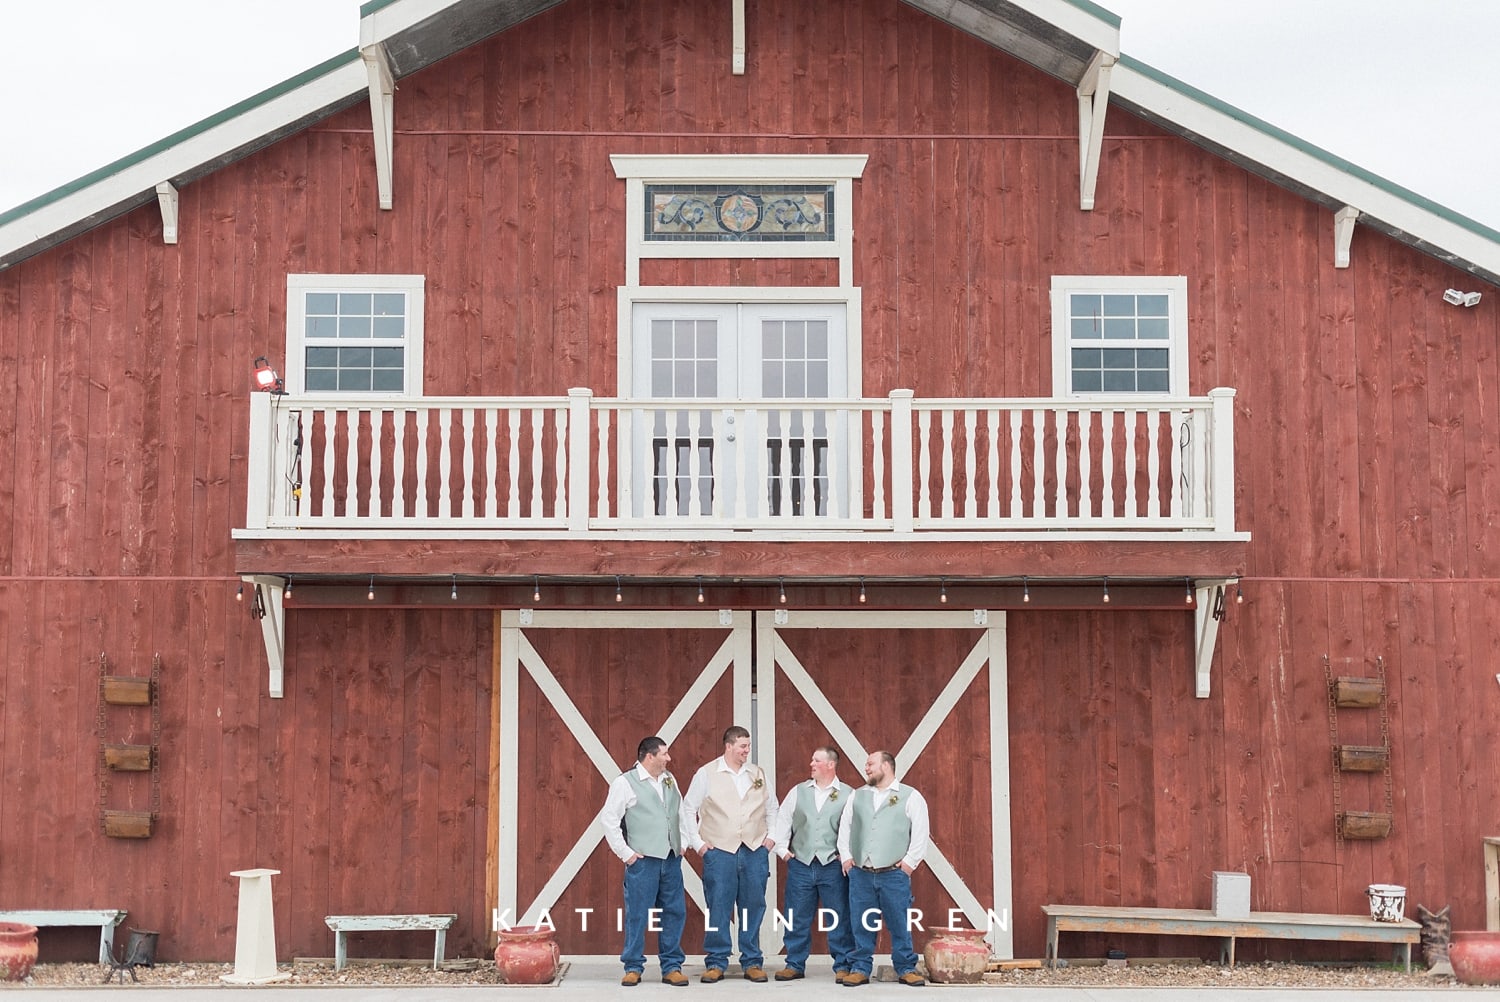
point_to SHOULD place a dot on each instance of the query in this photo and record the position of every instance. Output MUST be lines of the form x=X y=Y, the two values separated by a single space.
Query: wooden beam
x=1208 y=599
x=382 y=115
x=166 y=197
x=1093 y=103
x=1343 y=233
x=270 y=602
x=738 y=65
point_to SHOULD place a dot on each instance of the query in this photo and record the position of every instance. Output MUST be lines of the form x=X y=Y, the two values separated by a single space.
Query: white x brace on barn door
x=517 y=654
x=989 y=650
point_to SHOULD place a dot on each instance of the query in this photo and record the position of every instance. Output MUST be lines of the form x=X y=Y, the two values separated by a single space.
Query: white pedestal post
x=255 y=935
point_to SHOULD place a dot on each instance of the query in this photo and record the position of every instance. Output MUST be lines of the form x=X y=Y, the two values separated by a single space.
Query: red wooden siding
x=1368 y=451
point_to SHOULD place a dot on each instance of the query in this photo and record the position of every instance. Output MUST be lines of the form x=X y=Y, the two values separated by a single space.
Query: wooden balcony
x=889 y=468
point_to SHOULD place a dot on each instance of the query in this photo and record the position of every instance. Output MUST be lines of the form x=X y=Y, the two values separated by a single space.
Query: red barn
x=921 y=376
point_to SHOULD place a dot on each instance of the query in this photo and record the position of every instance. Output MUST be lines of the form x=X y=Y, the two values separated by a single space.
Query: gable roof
x=1060 y=37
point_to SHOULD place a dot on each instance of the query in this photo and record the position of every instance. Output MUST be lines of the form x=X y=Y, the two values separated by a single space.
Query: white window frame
x=298 y=287
x=1173 y=286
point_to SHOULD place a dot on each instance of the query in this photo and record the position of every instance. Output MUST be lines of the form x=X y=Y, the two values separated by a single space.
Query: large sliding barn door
x=578 y=690
x=928 y=686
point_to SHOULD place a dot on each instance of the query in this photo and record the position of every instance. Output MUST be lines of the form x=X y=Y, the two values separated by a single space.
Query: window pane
x=817 y=379
x=1120 y=330
x=1119 y=382
x=354 y=358
x=354 y=327
x=707 y=384
x=661 y=339
x=1119 y=358
x=390 y=304
x=1085 y=328
x=682 y=379
x=354 y=379
x=796 y=379
x=817 y=339
x=387 y=380
x=318 y=380
x=661 y=378
x=322 y=327
x=1119 y=306
x=796 y=339
x=322 y=303
x=1157 y=329
x=322 y=358
x=1086 y=306
x=388 y=358
x=771 y=340
x=770 y=378
x=1151 y=358
x=1086 y=358
x=355 y=303
x=683 y=341
x=390 y=327
x=1152 y=381
x=1087 y=381
x=707 y=339
x=1151 y=306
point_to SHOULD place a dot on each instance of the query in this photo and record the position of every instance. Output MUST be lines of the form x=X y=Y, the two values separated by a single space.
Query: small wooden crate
x=1358 y=692
x=1363 y=758
x=126 y=690
x=1365 y=824
x=128 y=758
x=127 y=824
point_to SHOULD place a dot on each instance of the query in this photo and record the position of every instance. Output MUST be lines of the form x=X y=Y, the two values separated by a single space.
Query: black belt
x=881 y=869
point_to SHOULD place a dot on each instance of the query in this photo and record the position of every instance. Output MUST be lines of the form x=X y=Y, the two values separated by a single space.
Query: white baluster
x=377 y=433
x=1132 y=508
x=948 y=485
x=560 y=465
x=1153 y=459
x=398 y=464
x=832 y=470
x=330 y=428
x=538 y=429
x=513 y=464
x=1038 y=464
x=992 y=460
x=1107 y=465
x=1060 y=463
x=877 y=465
x=421 y=464
x=468 y=464
x=971 y=423
x=924 y=465
x=1085 y=462
x=491 y=462
x=603 y=454
x=1015 y=463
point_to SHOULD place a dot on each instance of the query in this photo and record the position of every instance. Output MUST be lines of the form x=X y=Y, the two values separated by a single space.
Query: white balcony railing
x=575 y=464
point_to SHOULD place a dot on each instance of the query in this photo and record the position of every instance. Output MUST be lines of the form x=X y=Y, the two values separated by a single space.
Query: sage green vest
x=879 y=838
x=651 y=825
x=815 y=834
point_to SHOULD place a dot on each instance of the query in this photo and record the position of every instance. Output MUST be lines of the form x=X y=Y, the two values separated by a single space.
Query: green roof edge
x=1332 y=159
x=1092 y=9
x=366 y=9
x=212 y=121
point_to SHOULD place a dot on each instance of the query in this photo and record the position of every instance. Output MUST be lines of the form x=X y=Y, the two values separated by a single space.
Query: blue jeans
x=808 y=885
x=888 y=893
x=735 y=885
x=654 y=884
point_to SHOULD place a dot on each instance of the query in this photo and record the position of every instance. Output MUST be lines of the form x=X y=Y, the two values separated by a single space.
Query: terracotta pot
x=17 y=950
x=527 y=955
x=1475 y=957
x=956 y=956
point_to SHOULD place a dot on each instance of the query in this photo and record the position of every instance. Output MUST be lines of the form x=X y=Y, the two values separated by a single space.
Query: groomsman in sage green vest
x=642 y=820
x=817 y=891
x=882 y=839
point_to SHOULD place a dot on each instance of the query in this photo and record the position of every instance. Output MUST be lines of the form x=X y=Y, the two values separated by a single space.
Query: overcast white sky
x=1397 y=86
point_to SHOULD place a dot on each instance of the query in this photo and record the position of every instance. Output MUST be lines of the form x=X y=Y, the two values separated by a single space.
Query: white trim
x=628 y=297
x=298 y=287
x=1343 y=234
x=1173 y=286
x=639 y=169
x=167 y=200
x=1093 y=105
x=268 y=588
x=737 y=39
x=382 y=116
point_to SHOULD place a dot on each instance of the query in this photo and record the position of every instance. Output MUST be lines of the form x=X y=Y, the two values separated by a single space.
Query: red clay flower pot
x=527 y=955
x=1475 y=957
x=956 y=956
x=17 y=950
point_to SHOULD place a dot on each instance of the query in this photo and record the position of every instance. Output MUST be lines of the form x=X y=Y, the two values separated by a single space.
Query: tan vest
x=724 y=820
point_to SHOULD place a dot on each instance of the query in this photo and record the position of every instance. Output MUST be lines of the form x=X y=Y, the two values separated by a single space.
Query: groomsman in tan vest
x=727 y=817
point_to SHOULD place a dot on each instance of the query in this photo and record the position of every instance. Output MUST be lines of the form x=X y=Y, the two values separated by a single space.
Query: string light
x=781 y=582
x=1025 y=589
x=1239 y=595
x=239 y=596
x=1106 y=590
x=700 y=589
x=861 y=588
x=370 y=595
x=1187 y=585
x=536 y=588
x=454 y=593
x=619 y=596
x=286 y=592
x=943 y=590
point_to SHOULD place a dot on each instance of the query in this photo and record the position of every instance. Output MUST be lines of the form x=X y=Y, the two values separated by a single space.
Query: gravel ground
x=1277 y=975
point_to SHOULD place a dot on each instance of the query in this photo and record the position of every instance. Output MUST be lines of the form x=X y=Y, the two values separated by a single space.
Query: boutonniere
x=759 y=782
x=833 y=794
x=666 y=781
x=892 y=801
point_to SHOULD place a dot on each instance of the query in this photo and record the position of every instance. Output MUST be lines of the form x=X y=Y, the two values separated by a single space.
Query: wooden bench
x=342 y=924
x=1257 y=925
x=105 y=918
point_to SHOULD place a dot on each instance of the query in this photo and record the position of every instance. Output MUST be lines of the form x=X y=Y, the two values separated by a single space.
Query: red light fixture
x=266 y=379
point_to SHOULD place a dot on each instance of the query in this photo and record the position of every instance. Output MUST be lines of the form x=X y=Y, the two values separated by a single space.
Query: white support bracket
x=738 y=66
x=166 y=197
x=267 y=596
x=1208 y=602
x=382 y=115
x=1343 y=233
x=1093 y=102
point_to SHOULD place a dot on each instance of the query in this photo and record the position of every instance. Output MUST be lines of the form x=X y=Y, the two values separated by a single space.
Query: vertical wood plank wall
x=1367 y=431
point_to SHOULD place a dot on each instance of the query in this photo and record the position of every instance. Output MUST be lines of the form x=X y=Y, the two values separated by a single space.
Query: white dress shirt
x=781 y=833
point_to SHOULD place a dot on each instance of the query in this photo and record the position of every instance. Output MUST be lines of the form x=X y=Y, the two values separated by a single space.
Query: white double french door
x=756 y=437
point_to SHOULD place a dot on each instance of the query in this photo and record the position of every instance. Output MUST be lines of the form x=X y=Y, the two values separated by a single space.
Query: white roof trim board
x=416 y=27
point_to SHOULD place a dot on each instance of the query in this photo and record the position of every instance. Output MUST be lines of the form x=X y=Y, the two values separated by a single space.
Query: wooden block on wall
x=127 y=824
x=128 y=758
x=1354 y=692
x=126 y=690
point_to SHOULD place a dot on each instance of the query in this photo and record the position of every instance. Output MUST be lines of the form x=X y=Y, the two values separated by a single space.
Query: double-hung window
x=1116 y=335
x=359 y=334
